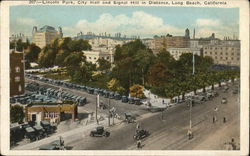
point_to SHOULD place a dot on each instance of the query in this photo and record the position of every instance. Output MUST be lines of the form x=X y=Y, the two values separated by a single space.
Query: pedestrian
x=233 y=144
x=138 y=126
x=138 y=144
x=213 y=119
x=189 y=134
x=224 y=120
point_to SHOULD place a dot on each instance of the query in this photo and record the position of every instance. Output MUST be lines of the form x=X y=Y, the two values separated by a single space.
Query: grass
x=57 y=76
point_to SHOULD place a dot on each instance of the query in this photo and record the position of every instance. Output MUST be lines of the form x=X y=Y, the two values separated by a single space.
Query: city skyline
x=129 y=21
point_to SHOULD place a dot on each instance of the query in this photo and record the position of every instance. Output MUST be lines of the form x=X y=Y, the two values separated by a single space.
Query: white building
x=225 y=52
x=93 y=55
x=177 y=52
x=105 y=42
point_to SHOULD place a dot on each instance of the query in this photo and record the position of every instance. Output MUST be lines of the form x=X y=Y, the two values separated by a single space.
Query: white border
x=244 y=126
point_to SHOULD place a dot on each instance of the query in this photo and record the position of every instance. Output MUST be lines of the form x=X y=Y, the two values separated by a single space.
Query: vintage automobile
x=129 y=118
x=124 y=99
x=224 y=101
x=99 y=131
x=140 y=134
x=30 y=134
x=55 y=145
x=40 y=132
x=49 y=129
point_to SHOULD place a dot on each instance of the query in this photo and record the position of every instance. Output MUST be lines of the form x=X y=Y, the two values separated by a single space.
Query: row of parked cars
x=88 y=89
x=202 y=97
x=54 y=93
x=31 y=131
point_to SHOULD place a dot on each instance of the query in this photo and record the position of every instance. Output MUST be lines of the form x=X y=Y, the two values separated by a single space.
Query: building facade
x=93 y=55
x=226 y=52
x=177 y=52
x=16 y=73
x=52 y=112
x=45 y=35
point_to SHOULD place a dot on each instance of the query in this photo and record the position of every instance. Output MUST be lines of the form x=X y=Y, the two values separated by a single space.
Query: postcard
x=113 y=77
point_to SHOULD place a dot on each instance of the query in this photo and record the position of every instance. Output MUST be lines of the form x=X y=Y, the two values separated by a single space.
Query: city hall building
x=45 y=35
x=52 y=112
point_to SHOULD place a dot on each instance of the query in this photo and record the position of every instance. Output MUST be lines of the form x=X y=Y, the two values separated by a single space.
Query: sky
x=130 y=21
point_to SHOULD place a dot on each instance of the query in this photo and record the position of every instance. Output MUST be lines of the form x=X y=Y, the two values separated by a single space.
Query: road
x=170 y=133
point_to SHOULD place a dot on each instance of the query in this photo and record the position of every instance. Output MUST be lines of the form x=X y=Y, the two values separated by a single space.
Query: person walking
x=224 y=119
x=139 y=144
x=189 y=134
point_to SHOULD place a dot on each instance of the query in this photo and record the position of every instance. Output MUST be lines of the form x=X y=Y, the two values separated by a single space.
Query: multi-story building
x=226 y=52
x=16 y=73
x=45 y=35
x=169 y=41
x=177 y=52
x=105 y=42
x=15 y=37
x=93 y=55
x=149 y=43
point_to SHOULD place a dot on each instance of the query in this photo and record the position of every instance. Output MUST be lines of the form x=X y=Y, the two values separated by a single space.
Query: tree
x=104 y=65
x=136 y=91
x=32 y=53
x=16 y=114
x=158 y=74
x=114 y=85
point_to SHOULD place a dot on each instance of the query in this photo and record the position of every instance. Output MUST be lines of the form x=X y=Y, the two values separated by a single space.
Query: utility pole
x=109 y=111
x=190 y=116
x=96 y=111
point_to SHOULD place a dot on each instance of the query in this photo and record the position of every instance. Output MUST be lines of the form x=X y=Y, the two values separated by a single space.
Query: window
x=215 y=57
x=226 y=58
x=94 y=58
x=238 y=58
x=17 y=79
x=221 y=53
x=90 y=58
x=107 y=57
x=19 y=88
x=221 y=58
x=205 y=52
x=210 y=53
x=232 y=58
x=17 y=69
x=226 y=53
x=215 y=53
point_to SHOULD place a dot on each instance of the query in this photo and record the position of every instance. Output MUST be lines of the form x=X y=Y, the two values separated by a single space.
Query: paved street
x=169 y=133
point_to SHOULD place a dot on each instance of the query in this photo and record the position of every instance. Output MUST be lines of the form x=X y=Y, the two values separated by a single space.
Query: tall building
x=169 y=41
x=16 y=73
x=226 y=52
x=45 y=35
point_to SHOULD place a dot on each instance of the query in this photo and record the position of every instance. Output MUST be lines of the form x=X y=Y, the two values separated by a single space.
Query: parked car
x=49 y=129
x=140 y=134
x=99 y=131
x=118 y=96
x=124 y=99
x=40 y=132
x=30 y=134
x=131 y=100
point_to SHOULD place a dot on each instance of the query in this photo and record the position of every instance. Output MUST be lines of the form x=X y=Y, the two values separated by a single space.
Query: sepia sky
x=142 y=21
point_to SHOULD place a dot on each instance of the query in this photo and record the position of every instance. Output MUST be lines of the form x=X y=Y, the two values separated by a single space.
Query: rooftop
x=47 y=28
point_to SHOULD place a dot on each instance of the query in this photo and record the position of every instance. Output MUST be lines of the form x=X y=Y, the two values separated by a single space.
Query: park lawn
x=57 y=76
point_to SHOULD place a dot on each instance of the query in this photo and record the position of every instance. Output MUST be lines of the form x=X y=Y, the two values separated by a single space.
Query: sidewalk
x=83 y=130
